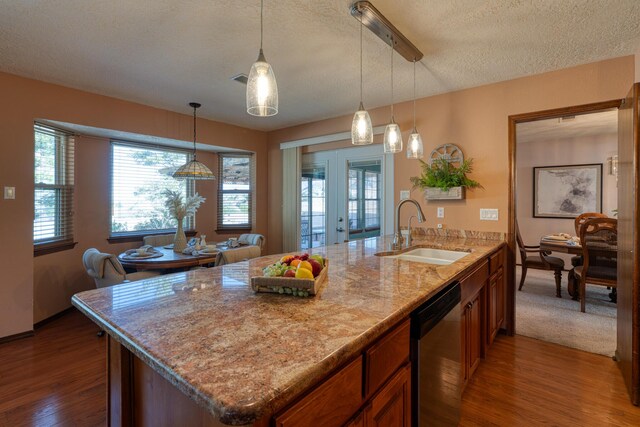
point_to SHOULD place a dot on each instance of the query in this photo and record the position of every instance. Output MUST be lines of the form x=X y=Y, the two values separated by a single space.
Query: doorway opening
x=535 y=199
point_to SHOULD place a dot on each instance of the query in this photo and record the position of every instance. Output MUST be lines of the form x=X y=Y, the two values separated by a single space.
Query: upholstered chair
x=158 y=240
x=236 y=255
x=106 y=270
x=252 y=239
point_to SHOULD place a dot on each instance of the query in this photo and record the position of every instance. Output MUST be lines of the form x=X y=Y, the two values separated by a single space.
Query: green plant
x=442 y=174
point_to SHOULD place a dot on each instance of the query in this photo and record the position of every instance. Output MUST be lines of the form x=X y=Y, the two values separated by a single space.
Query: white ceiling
x=600 y=123
x=166 y=53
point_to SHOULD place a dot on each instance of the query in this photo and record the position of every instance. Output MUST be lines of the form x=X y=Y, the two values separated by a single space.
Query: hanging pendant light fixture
x=392 y=133
x=194 y=169
x=415 y=150
x=361 y=128
x=262 y=89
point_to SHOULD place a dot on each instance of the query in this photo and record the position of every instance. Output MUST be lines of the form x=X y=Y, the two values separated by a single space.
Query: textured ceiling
x=166 y=53
x=601 y=123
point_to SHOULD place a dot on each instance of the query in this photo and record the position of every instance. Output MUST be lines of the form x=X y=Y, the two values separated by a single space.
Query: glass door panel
x=364 y=198
x=313 y=207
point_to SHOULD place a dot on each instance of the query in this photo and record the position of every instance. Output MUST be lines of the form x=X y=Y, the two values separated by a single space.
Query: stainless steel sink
x=430 y=256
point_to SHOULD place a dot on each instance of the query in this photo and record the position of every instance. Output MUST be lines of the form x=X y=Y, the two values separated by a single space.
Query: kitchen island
x=204 y=338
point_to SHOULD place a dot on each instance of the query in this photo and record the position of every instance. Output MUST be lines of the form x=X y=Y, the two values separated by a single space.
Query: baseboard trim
x=15 y=337
x=52 y=318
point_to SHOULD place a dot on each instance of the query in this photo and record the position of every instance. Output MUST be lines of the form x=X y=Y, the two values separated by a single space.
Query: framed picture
x=567 y=191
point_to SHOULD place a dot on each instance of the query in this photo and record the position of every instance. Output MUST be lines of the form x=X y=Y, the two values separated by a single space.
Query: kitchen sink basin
x=431 y=256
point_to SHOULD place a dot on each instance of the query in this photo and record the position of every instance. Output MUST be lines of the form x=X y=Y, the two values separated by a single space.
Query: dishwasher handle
x=433 y=311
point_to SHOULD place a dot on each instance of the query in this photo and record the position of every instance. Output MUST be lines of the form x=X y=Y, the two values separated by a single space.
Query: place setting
x=143 y=252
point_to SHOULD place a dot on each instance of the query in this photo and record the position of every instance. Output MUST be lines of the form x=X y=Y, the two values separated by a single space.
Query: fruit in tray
x=300 y=266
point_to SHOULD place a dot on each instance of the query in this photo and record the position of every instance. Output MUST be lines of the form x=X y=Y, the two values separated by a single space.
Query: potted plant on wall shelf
x=441 y=180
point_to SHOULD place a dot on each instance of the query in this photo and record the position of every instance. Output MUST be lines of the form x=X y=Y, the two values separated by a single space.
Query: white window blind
x=53 y=191
x=235 y=190
x=140 y=175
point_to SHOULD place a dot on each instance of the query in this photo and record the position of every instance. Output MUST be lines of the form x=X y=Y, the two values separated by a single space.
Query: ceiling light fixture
x=415 y=149
x=361 y=128
x=262 y=89
x=194 y=169
x=392 y=133
x=383 y=28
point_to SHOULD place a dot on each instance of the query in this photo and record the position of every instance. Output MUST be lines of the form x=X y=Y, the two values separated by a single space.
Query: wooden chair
x=580 y=219
x=599 y=239
x=540 y=261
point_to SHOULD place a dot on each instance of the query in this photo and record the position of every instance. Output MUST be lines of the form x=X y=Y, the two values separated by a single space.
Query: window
x=140 y=175
x=235 y=188
x=53 y=191
x=365 y=194
x=313 y=207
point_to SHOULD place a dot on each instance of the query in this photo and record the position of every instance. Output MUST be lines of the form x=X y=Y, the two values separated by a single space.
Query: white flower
x=180 y=210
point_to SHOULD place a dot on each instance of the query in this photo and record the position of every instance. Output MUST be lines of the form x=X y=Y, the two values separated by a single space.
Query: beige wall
x=581 y=150
x=34 y=288
x=476 y=119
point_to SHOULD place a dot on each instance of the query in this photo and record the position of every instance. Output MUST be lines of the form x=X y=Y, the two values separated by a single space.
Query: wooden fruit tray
x=290 y=285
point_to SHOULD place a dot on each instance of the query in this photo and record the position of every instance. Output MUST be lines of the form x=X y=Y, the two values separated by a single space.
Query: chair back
x=599 y=239
x=252 y=239
x=580 y=219
x=158 y=239
x=236 y=255
x=521 y=248
x=105 y=269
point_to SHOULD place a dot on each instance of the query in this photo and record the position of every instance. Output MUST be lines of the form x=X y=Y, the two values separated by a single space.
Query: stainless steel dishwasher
x=435 y=358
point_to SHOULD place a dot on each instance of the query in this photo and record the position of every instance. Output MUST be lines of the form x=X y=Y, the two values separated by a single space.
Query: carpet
x=540 y=315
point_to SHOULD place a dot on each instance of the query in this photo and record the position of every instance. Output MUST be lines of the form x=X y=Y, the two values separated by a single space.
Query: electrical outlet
x=440 y=226
x=440 y=213
x=404 y=194
x=488 y=214
x=9 y=193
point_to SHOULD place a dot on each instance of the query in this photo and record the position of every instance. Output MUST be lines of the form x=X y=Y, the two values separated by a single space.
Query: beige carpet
x=539 y=314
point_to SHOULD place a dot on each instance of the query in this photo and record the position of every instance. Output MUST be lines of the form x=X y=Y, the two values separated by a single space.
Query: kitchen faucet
x=397 y=237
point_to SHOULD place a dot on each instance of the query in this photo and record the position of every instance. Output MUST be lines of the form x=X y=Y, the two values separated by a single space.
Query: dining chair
x=580 y=219
x=252 y=239
x=539 y=261
x=230 y=256
x=599 y=239
x=158 y=239
x=106 y=270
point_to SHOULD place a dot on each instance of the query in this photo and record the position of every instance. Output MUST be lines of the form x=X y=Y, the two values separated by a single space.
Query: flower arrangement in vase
x=180 y=209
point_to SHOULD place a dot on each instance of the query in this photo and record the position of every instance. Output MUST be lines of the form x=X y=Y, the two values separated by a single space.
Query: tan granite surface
x=243 y=355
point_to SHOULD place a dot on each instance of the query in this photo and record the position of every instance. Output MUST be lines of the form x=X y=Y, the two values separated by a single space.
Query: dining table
x=169 y=260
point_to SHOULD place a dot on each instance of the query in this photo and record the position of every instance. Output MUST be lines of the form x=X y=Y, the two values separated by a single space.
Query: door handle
x=340 y=229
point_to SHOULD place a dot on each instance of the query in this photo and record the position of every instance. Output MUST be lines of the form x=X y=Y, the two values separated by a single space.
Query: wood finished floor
x=57 y=378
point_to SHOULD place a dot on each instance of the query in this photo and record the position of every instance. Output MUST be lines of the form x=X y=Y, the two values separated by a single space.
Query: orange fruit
x=303 y=273
x=295 y=263
x=306 y=265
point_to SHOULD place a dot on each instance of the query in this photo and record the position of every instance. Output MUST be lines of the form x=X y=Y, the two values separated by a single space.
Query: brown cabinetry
x=391 y=407
x=495 y=296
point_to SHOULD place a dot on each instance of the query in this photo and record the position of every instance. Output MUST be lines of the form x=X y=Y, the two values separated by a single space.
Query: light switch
x=440 y=213
x=488 y=214
x=404 y=194
x=9 y=193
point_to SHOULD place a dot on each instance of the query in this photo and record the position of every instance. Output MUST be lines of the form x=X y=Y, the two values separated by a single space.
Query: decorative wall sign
x=567 y=191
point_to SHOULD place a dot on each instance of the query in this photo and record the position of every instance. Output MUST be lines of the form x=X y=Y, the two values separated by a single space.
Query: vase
x=180 y=239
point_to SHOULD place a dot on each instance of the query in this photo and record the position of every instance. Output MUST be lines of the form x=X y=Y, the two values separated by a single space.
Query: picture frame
x=566 y=191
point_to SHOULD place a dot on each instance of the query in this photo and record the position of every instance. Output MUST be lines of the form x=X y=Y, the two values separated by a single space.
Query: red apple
x=304 y=257
x=316 y=266
x=290 y=273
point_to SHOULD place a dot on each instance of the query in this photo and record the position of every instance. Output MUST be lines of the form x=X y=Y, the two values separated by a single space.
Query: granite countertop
x=243 y=355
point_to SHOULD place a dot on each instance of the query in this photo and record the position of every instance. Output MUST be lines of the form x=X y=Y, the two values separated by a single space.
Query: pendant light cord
x=414 y=95
x=361 y=58
x=261 y=19
x=194 y=133
x=392 y=118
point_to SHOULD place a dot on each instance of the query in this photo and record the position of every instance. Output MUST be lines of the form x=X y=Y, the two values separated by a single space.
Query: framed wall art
x=567 y=191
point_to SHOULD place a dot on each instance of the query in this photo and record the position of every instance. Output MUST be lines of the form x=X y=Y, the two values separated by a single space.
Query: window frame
x=137 y=235
x=220 y=227
x=64 y=187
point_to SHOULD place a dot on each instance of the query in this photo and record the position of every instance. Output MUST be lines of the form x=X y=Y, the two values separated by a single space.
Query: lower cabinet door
x=391 y=407
x=474 y=333
x=357 y=421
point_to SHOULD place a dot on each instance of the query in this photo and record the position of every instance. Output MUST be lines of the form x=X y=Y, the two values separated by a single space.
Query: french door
x=345 y=195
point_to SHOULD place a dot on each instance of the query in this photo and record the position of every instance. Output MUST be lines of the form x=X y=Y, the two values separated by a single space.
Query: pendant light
x=194 y=169
x=262 y=89
x=415 y=150
x=361 y=128
x=392 y=134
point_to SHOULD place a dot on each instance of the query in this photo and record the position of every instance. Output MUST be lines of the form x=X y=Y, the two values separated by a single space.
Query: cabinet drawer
x=473 y=283
x=384 y=357
x=496 y=261
x=331 y=403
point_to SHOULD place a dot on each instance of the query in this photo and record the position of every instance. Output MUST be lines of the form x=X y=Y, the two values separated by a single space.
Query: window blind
x=140 y=176
x=53 y=185
x=235 y=190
